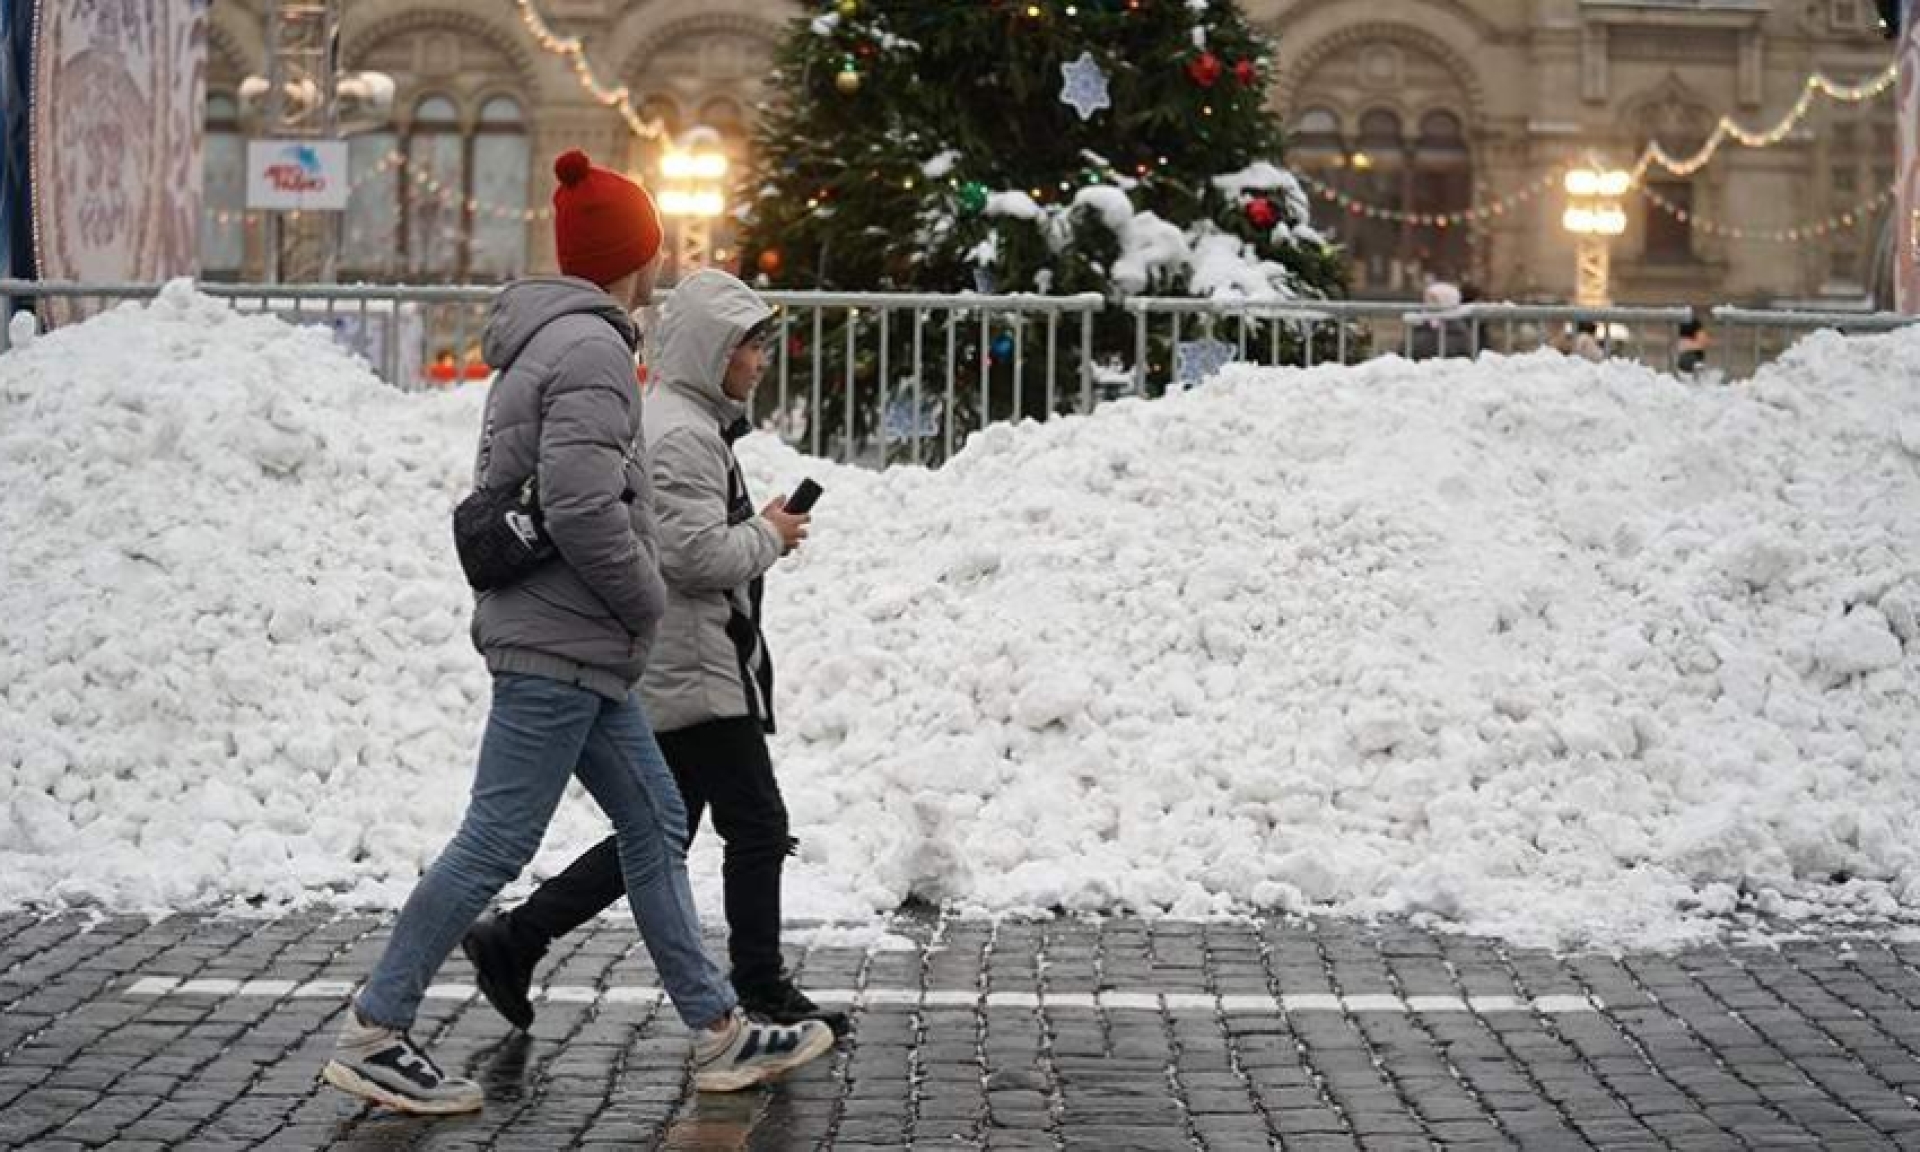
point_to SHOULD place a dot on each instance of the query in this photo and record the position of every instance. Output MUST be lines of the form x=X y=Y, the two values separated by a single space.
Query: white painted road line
x=1113 y=1001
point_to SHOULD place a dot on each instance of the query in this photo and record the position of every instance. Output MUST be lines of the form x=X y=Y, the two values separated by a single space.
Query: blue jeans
x=539 y=733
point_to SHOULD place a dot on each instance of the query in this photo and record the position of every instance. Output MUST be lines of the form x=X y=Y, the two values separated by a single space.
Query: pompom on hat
x=604 y=225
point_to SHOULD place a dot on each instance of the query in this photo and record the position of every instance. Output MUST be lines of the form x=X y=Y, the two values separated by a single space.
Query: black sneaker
x=503 y=972
x=782 y=1002
x=388 y=1068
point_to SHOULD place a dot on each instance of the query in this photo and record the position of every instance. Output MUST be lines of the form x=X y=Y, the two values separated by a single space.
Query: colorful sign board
x=297 y=175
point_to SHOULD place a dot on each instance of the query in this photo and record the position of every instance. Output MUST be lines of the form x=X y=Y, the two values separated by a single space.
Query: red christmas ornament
x=1204 y=69
x=1261 y=213
x=770 y=261
x=1246 y=73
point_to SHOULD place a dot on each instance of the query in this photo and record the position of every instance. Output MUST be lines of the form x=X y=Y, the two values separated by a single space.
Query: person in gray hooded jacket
x=566 y=644
x=709 y=685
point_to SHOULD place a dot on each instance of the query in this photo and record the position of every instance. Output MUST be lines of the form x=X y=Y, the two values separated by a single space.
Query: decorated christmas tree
x=1123 y=147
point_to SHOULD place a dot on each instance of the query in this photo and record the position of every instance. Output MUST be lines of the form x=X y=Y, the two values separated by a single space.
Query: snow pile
x=232 y=657
x=1566 y=652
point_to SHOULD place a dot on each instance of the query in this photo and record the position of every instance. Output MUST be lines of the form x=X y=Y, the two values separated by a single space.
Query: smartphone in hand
x=801 y=502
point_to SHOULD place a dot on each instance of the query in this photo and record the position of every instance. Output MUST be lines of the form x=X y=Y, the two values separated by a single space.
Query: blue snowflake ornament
x=1085 y=86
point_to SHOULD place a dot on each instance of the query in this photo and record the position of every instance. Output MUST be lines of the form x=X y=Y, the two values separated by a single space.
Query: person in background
x=443 y=370
x=1441 y=334
x=709 y=685
x=1586 y=342
x=566 y=644
x=1694 y=342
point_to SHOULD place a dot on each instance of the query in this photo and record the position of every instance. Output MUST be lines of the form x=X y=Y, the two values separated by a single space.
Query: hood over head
x=700 y=326
x=524 y=307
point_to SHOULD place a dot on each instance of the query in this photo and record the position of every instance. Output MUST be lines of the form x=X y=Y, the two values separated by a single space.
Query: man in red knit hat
x=566 y=644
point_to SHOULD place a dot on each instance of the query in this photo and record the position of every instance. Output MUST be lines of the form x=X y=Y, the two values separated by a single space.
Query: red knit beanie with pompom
x=604 y=225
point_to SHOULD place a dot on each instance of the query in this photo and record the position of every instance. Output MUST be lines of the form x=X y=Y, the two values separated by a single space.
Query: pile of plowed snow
x=1570 y=653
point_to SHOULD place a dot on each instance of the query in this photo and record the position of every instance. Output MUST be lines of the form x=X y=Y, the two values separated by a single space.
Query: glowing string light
x=1728 y=129
x=1792 y=234
x=618 y=98
x=1478 y=214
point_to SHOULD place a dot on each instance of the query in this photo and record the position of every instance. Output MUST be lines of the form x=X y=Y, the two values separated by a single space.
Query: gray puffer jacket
x=710 y=662
x=567 y=404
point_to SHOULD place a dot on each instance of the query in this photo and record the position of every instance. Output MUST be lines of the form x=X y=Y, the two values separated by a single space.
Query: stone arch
x=649 y=42
x=514 y=49
x=1295 y=74
x=659 y=37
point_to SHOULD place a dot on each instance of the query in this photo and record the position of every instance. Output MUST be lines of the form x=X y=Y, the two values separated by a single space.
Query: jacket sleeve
x=699 y=550
x=585 y=418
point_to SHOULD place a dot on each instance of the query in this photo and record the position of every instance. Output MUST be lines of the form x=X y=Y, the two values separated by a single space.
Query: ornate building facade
x=1398 y=108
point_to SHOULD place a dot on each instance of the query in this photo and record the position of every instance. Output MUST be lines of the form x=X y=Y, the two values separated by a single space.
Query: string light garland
x=420 y=176
x=1479 y=214
x=618 y=98
x=1859 y=214
x=1728 y=129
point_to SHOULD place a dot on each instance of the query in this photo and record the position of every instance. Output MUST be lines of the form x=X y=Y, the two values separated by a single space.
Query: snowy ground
x=1570 y=653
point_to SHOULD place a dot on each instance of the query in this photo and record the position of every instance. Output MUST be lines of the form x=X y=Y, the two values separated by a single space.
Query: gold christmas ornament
x=848 y=81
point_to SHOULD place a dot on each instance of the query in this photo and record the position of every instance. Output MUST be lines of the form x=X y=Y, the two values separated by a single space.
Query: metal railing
x=881 y=377
x=933 y=366
x=1767 y=333
x=1306 y=332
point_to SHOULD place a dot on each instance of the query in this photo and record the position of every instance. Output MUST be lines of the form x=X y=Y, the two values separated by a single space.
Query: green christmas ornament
x=973 y=197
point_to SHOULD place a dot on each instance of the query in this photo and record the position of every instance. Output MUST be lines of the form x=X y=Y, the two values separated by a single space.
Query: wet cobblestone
x=209 y=1033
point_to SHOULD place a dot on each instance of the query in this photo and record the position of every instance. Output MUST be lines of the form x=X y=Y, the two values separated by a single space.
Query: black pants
x=722 y=765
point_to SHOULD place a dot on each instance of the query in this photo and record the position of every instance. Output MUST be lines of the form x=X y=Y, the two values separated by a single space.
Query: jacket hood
x=524 y=307
x=700 y=326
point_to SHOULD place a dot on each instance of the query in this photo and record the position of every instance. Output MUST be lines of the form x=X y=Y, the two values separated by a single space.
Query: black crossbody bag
x=500 y=535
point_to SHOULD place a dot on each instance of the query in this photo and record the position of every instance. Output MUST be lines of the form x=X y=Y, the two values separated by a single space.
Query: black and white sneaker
x=782 y=1002
x=386 y=1067
x=749 y=1052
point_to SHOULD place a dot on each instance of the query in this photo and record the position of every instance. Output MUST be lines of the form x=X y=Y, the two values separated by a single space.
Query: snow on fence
x=886 y=377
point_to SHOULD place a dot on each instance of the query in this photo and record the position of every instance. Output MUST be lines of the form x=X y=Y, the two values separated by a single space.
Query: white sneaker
x=749 y=1052
x=388 y=1068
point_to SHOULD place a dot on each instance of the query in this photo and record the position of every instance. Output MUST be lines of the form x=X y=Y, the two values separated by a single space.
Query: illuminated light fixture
x=703 y=205
x=696 y=165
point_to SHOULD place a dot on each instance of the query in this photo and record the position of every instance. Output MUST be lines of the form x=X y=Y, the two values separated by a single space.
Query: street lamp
x=1595 y=217
x=693 y=195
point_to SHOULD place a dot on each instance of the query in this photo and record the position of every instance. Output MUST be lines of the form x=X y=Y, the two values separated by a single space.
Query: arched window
x=1316 y=139
x=434 y=191
x=444 y=198
x=1441 y=140
x=370 y=246
x=722 y=114
x=1381 y=135
x=223 y=229
x=665 y=110
x=499 y=188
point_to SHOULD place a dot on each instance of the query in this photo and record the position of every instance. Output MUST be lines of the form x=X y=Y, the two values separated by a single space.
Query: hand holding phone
x=789 y=516
x=801 y=502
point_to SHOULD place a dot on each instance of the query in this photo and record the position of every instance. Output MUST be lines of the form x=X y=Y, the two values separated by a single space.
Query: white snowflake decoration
x=1086 y=86
x=1195 y=360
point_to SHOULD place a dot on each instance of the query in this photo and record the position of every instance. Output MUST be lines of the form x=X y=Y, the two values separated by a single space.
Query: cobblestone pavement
x=209 y=1033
